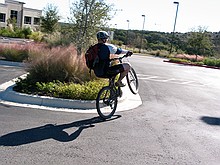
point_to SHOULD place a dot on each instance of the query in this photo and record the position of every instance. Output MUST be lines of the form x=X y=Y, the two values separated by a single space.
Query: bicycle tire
x=106 y=102
x=132 y=81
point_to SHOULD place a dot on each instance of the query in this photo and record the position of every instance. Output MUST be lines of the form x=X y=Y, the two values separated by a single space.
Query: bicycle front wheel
x=106 y=102
x=132 y=81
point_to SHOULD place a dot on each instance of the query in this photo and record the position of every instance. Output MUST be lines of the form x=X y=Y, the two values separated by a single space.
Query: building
x=25 y=17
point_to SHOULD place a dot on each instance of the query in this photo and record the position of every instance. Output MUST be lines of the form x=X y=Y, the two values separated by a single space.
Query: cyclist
x=103 y=68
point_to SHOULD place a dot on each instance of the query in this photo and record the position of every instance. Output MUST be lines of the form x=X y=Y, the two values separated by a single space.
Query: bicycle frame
x=112 y=85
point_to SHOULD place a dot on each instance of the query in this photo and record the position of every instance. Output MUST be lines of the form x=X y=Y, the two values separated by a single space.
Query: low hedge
x=85 y=91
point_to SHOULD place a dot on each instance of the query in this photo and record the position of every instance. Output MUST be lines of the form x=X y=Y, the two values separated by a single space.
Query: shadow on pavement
x=50 y=131
x=211 y=120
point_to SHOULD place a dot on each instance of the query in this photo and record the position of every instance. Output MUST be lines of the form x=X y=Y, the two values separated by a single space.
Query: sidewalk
x=10 y=97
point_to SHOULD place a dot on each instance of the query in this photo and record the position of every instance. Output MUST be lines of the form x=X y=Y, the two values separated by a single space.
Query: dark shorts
x=115 y=69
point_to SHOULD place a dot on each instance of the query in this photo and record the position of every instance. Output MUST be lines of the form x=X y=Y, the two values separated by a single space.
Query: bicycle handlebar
x=120 y=58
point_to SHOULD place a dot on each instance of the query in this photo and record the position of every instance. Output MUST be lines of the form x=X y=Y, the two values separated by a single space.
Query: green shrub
x=199 y=63
x=25 y=86
x=36 y=36
x=26 y=32
x=85 y=91
x=14 y=52
x=17 y=33
x=218 y=63
x=6 y=32
x=179 y=60
x=209 y=62
x=158 y=46
x=159 y=53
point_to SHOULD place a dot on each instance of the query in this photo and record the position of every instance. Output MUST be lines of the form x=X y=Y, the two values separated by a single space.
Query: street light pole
x=142 y=34
x=127 y=32
x=177 y=3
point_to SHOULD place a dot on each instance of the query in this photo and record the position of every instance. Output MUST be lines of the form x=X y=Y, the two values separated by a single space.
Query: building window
x=2 y=17
x=36 y=21
x=14 y=15
x=27 y=20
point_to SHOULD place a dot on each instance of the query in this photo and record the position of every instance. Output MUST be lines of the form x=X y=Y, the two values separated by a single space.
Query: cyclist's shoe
x=120 y=93
x=119 y=84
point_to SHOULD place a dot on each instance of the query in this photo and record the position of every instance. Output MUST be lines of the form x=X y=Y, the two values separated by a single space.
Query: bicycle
x=107 y=98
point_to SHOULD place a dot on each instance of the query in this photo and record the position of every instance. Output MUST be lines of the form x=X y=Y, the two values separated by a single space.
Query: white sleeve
x=112 y=48
x=123 y=51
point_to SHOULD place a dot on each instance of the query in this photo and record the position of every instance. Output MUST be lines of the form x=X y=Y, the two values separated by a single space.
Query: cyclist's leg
x=124 y=72
x=115 y=69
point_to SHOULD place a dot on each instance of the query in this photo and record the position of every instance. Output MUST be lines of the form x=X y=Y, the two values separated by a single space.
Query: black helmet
x=102 y=35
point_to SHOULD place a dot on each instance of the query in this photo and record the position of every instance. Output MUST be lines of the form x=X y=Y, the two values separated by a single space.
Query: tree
x=87 y=17
x=50 y=18
x=200 y=43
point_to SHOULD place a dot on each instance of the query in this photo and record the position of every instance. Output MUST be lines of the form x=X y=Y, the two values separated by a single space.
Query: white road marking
x=170 y=80
x=188 y=82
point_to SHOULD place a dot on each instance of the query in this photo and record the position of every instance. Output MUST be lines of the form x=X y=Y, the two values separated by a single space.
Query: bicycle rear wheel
x=132 y=81
x=106 y=102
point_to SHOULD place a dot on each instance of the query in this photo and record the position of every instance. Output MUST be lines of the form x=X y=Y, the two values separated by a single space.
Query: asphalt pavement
x=177 y=123
x=9 y=97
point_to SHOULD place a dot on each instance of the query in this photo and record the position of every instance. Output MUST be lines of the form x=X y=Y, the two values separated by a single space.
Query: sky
x=159 y=14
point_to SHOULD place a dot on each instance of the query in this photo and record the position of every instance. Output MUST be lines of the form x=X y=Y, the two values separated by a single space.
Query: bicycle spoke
x=106 y=102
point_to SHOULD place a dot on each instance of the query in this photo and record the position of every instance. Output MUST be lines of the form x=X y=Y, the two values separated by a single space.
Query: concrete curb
x=183 y=63
x=11 y=63
x=12 y=96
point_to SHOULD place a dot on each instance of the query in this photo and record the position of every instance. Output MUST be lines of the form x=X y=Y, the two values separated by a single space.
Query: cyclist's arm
x=115 y=50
